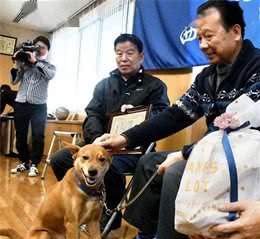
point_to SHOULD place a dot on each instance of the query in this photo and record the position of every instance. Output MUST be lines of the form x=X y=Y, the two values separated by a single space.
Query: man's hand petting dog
x=111 y=141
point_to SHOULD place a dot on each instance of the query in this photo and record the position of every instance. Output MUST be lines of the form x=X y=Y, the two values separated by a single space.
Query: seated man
x=234 y=70
x=126 y=86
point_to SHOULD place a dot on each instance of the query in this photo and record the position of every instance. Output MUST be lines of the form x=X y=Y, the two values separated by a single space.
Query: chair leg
x=44 y=170
x=59 y=142
x=74 y=139
x=48 y=160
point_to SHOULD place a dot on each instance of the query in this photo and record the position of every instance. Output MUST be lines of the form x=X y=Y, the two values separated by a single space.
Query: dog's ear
x=109 y=156
x=72 y=147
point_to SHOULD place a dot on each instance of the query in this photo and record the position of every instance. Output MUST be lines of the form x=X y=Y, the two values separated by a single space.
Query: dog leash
x=119 y=208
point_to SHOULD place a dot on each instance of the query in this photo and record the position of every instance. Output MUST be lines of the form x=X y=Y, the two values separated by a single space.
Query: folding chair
x=124 y=198
x=56 y=136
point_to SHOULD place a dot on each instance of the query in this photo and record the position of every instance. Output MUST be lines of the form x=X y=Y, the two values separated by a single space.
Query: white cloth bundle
x=206 y=180
x=246 y=110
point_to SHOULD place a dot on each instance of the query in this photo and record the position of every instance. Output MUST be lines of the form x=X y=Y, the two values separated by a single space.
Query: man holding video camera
x=34 y=73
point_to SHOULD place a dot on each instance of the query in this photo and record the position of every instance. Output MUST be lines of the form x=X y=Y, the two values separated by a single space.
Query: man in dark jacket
x=127 y=86
x=234 y=70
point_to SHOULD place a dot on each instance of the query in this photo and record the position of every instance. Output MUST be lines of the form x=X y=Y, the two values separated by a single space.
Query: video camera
x=22 y=56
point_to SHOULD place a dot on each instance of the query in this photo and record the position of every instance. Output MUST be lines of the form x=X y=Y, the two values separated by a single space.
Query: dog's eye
x=102 y=159
x=85 y=157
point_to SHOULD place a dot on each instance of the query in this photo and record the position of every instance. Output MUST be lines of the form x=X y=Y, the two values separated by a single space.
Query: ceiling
x=48 y=15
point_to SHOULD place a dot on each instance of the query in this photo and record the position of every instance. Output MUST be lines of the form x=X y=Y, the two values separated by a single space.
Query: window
x=89 y=55
x=64 y=55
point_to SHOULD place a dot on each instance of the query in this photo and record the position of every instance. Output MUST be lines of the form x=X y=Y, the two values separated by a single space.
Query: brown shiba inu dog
x=77 y=199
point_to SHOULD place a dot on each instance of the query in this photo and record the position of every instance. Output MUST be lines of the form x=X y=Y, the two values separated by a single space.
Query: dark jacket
x=109 y=96
x=202 y=99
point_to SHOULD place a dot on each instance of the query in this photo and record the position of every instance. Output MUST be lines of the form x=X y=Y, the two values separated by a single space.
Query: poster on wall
x=7 y=45
x=170 y=39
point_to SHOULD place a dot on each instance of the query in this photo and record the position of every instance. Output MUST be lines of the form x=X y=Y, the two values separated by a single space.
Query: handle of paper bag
x=232 y=168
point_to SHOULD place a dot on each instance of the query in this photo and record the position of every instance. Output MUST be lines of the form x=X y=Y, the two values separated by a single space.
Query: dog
x=76 y=200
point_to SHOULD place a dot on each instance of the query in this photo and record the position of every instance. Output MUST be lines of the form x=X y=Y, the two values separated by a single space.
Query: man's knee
x=174 y=172
x=61 y=162
x=60 y=156
x=149 y=162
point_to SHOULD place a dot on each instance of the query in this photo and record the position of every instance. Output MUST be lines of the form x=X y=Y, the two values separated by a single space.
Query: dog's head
x=92 y=161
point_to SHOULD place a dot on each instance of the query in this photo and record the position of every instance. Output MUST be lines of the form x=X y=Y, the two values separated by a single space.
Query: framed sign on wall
x=7 y=45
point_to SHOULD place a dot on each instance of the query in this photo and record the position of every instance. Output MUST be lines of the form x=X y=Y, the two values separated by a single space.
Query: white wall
x=22 y=34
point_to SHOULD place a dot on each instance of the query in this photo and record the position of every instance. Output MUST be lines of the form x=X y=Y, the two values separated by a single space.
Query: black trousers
x=153 y=212
x=26 y=113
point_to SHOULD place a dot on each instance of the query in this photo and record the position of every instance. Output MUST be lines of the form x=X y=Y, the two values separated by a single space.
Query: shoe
x=33 y=171
x=20 y=168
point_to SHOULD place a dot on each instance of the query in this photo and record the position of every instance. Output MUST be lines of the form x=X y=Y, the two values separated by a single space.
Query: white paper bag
x=206 y=182
x=246 y=110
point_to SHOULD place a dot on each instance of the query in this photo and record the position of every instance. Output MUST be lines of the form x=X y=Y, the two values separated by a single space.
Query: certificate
x=7 y=45
x=120 y=122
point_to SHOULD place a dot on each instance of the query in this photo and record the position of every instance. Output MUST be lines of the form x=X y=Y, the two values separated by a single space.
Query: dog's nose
x=92 y=172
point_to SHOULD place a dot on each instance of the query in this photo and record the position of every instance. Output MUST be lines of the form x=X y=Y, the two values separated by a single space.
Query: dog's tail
x=11 y=233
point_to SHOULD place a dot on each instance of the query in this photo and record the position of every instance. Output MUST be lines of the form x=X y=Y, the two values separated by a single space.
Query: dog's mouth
x=90 y=181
